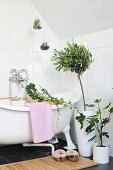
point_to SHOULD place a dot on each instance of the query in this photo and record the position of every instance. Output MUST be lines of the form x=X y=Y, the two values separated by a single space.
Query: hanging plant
x=37 y=24
x=44 y=46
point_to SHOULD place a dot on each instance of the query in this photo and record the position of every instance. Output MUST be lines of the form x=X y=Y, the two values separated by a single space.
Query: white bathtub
x=15 y=126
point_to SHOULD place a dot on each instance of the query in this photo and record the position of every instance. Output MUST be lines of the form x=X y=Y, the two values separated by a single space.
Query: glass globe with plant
x=75 y=58
x=37 y=24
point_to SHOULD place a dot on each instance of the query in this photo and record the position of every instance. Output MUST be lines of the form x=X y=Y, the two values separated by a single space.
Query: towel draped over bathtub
x=41 y=121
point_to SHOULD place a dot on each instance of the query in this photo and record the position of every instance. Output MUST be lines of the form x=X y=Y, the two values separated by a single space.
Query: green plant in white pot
x=76 y=59
x=98 y=122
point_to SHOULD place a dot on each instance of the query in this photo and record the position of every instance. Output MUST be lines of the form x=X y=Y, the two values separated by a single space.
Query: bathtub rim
x=22 y=108
x=26 y=108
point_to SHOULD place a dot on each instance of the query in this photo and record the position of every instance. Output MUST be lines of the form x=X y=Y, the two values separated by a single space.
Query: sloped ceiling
x=70 y=18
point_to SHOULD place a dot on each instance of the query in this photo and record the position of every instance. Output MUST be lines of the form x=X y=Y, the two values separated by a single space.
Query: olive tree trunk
x=83 y=96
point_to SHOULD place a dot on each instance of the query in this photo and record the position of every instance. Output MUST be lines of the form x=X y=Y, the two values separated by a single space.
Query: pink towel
x=41 y=121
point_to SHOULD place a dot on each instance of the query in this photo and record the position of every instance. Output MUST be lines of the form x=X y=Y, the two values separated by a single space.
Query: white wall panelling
x=19 y=45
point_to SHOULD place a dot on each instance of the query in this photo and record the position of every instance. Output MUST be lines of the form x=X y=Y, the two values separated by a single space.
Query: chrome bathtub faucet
x=17 y=77
x=20 y=77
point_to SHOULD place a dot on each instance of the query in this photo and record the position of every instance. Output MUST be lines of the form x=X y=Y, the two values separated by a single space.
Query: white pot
x=85 y=148
x=101 y=154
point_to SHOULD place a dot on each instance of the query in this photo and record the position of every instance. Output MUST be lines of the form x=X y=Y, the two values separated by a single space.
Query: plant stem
x=83 y=96
x=101 y=126
x=101 y=142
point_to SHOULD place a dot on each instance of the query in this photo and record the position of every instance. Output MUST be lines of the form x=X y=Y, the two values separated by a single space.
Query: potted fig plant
x=98 y=122
x=76 y=59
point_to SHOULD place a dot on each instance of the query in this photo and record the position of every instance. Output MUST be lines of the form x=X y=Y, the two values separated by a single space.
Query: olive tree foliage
x=74 y=58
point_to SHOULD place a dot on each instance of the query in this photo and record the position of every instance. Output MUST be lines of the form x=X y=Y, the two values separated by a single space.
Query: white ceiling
x=70 y=18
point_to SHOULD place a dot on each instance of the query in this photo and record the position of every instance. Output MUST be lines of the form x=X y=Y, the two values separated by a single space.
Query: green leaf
x=91 y=139
x=105 y=121
x=97 y=101
x=96 y=120
x=111 y=110
x=91 y=130
x=105 y=134
x=107 y=106
x=80 y=119
x=90 y=105
x=98 y=112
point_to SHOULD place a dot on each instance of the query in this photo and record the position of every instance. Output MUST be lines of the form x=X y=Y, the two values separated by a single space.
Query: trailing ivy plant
x=97 y=121
x=75 y=58
x=43 y=95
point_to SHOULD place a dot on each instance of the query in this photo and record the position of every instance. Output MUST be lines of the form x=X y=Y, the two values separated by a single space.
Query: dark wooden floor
x=108 y=166
x=17 y=153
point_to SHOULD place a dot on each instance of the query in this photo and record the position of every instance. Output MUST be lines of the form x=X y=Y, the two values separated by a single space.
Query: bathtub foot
x=70 y=144
x=54 y=140
x=40 y=144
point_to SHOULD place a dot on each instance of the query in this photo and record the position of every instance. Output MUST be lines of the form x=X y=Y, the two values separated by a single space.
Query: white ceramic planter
x=101 y=154
x=85 y=148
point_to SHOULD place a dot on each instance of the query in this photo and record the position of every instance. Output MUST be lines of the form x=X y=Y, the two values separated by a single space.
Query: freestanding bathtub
x=15 y=126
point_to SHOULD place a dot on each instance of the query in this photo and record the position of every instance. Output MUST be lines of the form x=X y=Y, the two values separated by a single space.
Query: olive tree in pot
x=76 y=59
x=98 y=122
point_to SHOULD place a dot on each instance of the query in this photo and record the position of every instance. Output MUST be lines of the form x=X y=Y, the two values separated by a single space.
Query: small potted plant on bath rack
x=37 y=24
x=98 y=122
x=44 y=46
x=76 y=59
